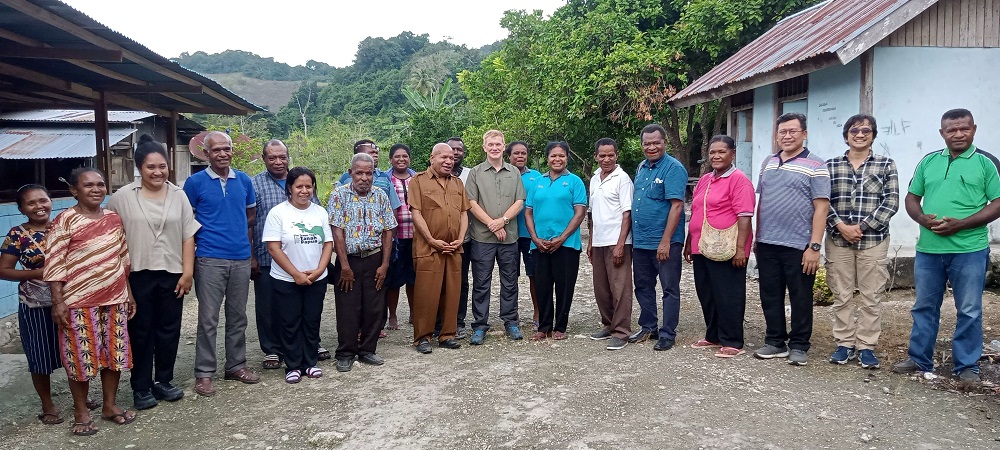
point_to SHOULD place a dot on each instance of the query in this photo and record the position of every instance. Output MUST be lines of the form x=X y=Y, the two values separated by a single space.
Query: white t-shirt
x=609 y=199
x=465 y=174
x=302 y=234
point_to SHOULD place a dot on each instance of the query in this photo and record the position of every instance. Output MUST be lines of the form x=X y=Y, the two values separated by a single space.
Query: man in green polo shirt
x=952 y=197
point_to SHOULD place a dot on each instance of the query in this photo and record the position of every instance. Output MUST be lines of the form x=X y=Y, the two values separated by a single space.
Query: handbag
x=716 y=244
x=34 y=293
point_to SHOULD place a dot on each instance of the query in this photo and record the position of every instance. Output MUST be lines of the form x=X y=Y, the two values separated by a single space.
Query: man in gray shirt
x=496 y=194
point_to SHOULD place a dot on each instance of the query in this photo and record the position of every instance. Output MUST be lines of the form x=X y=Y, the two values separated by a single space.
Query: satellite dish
x=197 y=146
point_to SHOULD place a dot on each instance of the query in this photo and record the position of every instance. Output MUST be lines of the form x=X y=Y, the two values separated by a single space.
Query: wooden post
x=172 y=144
x=101 y=138
x=867 y=74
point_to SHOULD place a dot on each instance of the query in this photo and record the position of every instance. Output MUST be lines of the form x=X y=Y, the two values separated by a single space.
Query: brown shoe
x=203 y=386
x=243 y=375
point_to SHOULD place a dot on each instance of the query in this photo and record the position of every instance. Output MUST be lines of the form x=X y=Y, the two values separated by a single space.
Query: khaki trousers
x=613 y=290
x=856 y=318
x=436 y=291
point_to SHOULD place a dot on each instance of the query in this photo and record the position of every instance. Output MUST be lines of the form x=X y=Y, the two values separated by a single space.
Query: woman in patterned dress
x=87 y=267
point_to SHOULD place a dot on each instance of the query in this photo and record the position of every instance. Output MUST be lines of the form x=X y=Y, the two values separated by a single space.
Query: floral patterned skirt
x=96 y=339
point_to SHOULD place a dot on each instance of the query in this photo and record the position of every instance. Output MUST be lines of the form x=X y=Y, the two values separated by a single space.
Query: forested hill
x=251 y=65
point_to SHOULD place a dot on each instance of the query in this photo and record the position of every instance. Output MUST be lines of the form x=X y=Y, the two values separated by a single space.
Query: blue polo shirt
x=382 y=181
x=552 y=201
x=529 y=178
x=656 y=184
x=220 y=206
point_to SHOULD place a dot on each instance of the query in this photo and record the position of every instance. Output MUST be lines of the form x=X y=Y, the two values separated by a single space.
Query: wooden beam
x=65 y=98
x=800 y=68
x=101 y=138
x=213 y=110
x=134 y=103
x=125 y=88
x=184 y=100
x=867 y=77
x=46 y=80
x=172 y=145
x=882 y=28
x=76 y=62
x=19 y=97
x=34 y=52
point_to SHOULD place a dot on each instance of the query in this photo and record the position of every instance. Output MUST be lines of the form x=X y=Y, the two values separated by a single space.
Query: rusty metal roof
x=45 y=143
x=820 y=30
x=72 y=115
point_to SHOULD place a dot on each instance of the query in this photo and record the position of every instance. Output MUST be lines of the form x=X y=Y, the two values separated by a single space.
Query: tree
x=428 y=120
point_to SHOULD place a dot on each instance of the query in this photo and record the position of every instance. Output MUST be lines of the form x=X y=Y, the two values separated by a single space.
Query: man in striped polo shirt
x=794 y=188
x=953 y=197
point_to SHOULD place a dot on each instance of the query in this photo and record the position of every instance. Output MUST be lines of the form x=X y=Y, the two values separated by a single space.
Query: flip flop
x=123 y=415
x=93 y=404
x=271 y=362
x=50 y=419
x=88 y=431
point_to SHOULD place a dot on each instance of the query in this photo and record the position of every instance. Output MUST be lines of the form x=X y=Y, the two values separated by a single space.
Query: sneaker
x=144 y=400
x=616 y=343
x=167 y=391
x=843 y=354
x=797 y=357
x=514 y=333
x=642 y=335
x=601 y=334
x=664 y=343
x=344 y=364
x=867 y=359
x=969 y=375
x=769 y=351
x=907 y=366
x=478 y=337
x=461 y=333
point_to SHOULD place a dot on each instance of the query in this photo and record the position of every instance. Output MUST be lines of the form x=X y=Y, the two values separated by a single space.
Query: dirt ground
x=571 y=394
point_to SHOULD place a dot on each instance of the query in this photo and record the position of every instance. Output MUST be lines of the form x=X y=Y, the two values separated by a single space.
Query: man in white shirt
x=609 y=246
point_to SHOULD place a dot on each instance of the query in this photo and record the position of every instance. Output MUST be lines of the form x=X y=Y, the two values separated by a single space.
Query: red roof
x=823 y=29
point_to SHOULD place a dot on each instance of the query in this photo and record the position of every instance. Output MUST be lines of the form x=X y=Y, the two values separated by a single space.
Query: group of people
x=102 y=286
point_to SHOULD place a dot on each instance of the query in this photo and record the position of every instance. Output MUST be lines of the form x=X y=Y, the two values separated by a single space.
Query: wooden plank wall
x=951 y=23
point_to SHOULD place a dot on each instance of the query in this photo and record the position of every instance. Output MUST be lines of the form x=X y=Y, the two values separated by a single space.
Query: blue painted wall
x=9 y=218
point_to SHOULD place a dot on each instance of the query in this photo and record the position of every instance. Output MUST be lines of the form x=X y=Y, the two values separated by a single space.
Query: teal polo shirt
x=552 y=201
x=956 y=187
x=656 y=184
x=529 y=178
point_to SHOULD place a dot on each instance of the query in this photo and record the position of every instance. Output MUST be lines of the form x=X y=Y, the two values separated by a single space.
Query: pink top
x=731 y=197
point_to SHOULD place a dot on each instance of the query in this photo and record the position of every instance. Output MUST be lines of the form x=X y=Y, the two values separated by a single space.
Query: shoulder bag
x=716 y=244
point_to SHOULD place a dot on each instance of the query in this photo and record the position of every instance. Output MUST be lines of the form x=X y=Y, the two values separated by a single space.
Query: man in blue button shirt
x=657 y=237
x=381 y=179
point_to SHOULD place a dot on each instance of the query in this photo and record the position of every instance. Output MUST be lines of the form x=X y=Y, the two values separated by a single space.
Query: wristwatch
x=505 y=220
x=815 y=246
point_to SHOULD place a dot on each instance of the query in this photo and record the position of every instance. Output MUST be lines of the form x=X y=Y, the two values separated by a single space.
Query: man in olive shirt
x=953 y=197
x=496 y=195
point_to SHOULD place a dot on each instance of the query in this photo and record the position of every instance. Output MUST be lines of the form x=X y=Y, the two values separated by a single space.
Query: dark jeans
x=780 y=268
x=155 y=330
x=555 y=270
x=484 y=255
x=645 y=269
x=268 y=325
x=722 y=291
x=299 y=314
x=361 y=310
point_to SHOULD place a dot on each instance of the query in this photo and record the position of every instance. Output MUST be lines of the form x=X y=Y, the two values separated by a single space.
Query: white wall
x=834 y=95
x=913 y=86
x=763 y=128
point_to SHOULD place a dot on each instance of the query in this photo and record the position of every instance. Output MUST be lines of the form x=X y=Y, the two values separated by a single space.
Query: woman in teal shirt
x=555 y=209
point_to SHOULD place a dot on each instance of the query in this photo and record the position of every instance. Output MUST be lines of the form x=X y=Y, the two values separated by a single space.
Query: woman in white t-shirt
x=298 y=237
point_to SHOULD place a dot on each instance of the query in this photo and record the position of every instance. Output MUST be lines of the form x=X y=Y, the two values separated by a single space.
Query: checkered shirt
x=869 y=195
x=404 y=218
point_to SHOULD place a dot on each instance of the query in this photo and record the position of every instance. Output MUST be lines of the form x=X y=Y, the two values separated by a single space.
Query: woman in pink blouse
x=724 y=196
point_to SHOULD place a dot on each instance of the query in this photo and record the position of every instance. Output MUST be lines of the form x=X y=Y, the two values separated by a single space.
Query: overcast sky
x=295 y=31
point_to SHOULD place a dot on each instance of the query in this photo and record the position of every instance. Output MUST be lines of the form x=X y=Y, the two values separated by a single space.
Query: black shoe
x=424 y=347
x=144 y=400
x=642 y=336
x=167 y=391
x=449 y=343
x=663 y=344
x=371 y=359
x=322 y=354
x=344 y=364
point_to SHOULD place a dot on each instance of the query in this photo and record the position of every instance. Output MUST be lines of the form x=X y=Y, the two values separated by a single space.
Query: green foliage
x=822 y=295
x=251 y=65
x=429 y=119
x=327 y=151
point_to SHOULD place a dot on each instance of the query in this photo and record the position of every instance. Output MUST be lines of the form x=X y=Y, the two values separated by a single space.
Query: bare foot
x=393 y=323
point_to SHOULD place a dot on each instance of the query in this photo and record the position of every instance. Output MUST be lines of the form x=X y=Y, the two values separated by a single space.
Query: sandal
x=293 y=376
x=271 y=362
x=729 y=352
x=314 y=372
x=558 y=336
x=89 y=429
x=539 y=336
x=323 y=354
x=382 y=334
x=50 y=418
x=124 y=416
x=704 y=343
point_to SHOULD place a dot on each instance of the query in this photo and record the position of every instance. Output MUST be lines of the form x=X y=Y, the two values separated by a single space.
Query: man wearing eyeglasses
x=381 y=179
x=794 y=189
x=953 y=197
x=864 y=195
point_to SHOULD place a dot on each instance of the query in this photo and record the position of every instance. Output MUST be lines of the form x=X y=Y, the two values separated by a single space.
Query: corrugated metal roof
x=72 y=115
x=820 y=29
x=44 y=143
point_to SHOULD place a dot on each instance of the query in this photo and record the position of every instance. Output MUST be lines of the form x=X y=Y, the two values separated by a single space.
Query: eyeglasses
x=863 y=131
x=788 y=132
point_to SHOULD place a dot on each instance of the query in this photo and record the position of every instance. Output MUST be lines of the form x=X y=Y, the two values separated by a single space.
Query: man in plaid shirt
x=864 y=195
